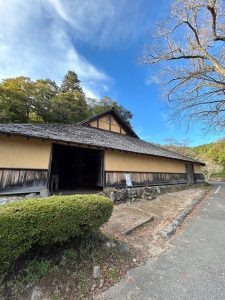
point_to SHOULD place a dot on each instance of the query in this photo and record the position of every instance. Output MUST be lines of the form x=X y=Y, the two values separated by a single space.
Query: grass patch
x=114 y=274
x=69 y=255
x=36 y=269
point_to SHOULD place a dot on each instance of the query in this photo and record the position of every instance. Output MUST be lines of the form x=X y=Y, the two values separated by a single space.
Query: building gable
x=110 y=121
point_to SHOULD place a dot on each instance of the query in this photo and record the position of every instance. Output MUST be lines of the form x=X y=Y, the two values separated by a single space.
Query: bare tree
x=190 y=47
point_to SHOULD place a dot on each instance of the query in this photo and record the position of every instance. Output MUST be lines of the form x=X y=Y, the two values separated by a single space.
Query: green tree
x=44 y=92
x=69 y=107
x=71 y=83
x=106 y=103
x=16 y=99
x=42 y=101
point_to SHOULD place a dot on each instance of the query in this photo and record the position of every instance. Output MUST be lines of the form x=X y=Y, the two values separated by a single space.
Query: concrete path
x=194 y=268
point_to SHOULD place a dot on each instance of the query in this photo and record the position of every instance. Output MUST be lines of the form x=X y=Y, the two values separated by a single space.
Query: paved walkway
x=194 y=268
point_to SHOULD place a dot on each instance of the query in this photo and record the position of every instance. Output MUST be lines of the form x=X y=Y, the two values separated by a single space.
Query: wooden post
x=49 y=167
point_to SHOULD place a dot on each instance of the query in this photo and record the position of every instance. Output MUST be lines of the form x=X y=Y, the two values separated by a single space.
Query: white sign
x=128 y=180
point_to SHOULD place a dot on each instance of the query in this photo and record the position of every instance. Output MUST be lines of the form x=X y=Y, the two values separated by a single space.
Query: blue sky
x=101 y=40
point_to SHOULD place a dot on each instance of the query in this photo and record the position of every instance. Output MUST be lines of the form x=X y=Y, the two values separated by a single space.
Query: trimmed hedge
x=46 y=221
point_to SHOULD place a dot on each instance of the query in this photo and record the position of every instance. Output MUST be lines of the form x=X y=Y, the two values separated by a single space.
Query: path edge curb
x=170 y=230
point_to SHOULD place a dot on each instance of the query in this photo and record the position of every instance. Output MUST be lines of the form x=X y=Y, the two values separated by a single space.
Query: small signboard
x=128 y=180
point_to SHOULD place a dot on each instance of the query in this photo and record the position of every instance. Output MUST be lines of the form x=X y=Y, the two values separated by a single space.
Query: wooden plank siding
x=22 y=180
x=117 y=179
x=199 y=178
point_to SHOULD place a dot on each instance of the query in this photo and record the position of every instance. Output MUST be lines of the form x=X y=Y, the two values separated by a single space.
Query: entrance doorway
x=75 y=169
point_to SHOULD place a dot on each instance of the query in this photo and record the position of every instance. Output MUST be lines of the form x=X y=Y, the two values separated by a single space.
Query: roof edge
x=189 y=160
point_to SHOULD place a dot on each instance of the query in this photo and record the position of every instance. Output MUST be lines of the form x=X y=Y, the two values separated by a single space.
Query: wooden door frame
x=103 y=167
x=190 y=173
x=50 y=167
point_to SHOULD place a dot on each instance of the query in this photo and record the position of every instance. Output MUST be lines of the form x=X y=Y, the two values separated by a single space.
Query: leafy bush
x=69 y=254
x=46 y=221
x=36 y=269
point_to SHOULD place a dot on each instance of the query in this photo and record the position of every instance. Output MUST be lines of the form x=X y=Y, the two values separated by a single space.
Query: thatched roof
x=88 y=136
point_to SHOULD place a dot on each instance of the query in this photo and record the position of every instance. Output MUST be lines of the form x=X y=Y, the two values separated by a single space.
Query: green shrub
x=36 y=269
x=69 y=254
x=46 y=221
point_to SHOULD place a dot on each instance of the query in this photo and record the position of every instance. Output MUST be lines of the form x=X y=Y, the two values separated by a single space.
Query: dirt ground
x=147 y=239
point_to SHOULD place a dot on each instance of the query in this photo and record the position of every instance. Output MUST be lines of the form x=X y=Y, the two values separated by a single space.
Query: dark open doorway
x=76 y=168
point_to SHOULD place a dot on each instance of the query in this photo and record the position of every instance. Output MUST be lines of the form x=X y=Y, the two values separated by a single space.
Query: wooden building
x=102 y=151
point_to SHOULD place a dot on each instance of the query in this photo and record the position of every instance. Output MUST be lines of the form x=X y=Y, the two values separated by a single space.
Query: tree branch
x=187 y=57
x=213 y=12
x=194 y=31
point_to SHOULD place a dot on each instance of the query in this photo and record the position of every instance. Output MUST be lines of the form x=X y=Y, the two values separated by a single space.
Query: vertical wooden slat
x=10 y=178
x=141 y=178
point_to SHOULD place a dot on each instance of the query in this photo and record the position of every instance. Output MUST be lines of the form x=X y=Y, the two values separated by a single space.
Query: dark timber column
x=190 y=173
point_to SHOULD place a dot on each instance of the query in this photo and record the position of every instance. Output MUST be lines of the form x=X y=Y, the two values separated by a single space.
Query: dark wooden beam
x=110 y=122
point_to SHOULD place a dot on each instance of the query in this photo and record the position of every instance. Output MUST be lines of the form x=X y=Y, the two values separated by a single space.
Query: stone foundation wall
x=147 y=192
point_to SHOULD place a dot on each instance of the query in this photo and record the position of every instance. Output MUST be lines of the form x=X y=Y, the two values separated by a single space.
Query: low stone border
x=118 y=195
x=171 y=229
x=131 y=229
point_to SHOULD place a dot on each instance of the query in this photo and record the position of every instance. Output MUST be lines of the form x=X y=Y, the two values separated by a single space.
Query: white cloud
x=102 y=22
x=38 y=38
x=34 y=44
x=58 y=6
x=153 y=80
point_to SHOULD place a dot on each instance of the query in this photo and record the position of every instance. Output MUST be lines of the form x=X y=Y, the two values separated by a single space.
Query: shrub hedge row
x=46 y=221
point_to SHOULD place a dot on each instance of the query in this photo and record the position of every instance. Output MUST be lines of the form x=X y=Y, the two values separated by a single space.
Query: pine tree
x=71 y=83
